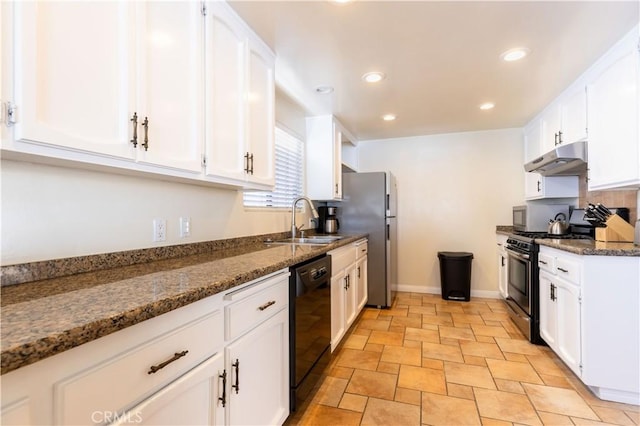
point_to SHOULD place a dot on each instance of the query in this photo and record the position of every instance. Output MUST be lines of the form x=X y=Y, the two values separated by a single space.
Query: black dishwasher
x=309 y=325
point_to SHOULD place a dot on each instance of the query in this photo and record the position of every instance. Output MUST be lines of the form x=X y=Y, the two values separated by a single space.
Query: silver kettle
x=558 y=225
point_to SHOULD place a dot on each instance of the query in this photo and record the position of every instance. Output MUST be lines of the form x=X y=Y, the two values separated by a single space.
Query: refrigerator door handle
x=388 y=232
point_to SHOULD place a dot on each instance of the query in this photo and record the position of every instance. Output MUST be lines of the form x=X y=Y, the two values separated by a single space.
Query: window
x=289 y=174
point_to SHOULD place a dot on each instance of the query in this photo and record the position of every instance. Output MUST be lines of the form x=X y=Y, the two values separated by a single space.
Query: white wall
x=53 y=212
x=453 y=189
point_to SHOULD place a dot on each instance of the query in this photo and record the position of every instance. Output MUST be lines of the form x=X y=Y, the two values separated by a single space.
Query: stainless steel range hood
x=564 y=160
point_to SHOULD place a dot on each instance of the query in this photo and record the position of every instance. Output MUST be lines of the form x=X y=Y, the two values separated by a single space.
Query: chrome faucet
x=314 y=212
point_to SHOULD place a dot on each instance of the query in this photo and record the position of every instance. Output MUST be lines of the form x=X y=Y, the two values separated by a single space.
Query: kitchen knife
x=602 y=209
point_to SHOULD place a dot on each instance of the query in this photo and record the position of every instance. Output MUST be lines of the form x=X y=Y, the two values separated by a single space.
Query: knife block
x=617 y=230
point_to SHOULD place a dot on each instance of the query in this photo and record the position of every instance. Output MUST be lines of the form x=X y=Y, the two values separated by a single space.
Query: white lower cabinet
x=348 y=292
x=190 y=400
x=257 y=357
x=590 y=317
x=257 y=367
x=501 y=241
x=221 y=360
x=362 y=286
x=560 y=323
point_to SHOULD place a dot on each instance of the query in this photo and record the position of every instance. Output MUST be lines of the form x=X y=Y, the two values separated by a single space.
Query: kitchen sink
x=311 y=240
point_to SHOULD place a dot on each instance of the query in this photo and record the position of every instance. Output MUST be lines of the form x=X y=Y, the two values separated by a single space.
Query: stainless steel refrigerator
x=369 y=206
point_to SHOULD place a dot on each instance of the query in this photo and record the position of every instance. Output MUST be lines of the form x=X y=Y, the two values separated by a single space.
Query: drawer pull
x=563 y=270
x=266 y=305
x=175 y=357
x=542 y=261
x=236 y=365
x=223 y=398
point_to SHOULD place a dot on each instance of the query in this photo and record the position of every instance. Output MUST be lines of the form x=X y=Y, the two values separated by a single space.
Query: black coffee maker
x=327 y=221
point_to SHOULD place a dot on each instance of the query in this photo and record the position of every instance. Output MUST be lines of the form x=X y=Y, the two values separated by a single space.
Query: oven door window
x=519 y=279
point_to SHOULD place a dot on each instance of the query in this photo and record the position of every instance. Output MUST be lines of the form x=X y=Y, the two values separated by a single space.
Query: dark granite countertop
x=590 y=247
x=582 y=247
x=46 y=317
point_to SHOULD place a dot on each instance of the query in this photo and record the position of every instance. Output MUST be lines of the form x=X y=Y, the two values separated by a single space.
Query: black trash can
x=455 y=274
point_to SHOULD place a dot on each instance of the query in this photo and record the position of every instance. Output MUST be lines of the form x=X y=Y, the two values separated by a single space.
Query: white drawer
x=362 y=248
x=342 y=258
x=262 y=301
x=568 y=269
x=91 y=391
x=547 y=263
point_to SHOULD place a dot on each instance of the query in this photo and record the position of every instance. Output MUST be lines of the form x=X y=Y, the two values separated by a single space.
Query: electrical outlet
x=185 y=227
x=159 y=230
x=312 y=223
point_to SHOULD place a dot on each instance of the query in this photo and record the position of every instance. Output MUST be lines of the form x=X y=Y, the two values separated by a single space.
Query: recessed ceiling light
x=487 y=105
x=373 y=77
x=515 y=54
x=389 y=117
x=324 y=90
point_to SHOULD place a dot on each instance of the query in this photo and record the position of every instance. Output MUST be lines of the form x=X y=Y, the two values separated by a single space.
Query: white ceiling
x=441 y=58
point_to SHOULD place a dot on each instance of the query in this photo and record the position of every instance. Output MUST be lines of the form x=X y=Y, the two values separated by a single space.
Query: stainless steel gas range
x=522 y=285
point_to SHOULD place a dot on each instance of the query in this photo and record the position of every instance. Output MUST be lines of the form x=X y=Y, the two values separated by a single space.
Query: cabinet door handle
x=266 y=305
x=502 y=260
x=134 y=120
x=553 y=292
x=236 y=365
x=251 y=159
x=559 y=137
x=223 y=398
x=336 y=189
x=555 y=139
x=562 y=269
x=160 y=366
x=246 y=163
x=358 y=272
x=145 y=124
x=539 y=186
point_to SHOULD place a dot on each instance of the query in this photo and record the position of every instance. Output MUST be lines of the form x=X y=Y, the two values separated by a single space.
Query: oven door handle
x=518 y=255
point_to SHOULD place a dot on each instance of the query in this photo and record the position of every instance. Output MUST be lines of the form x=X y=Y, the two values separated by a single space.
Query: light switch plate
x=185 y=226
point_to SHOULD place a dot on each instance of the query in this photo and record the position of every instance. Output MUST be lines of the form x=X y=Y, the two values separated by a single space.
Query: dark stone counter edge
x=57 y=268
x=39 y=349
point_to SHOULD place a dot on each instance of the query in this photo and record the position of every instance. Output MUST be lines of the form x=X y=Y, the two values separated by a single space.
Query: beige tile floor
x=427 y=361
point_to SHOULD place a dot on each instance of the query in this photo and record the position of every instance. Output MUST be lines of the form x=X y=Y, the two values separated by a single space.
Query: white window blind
x=289 y=174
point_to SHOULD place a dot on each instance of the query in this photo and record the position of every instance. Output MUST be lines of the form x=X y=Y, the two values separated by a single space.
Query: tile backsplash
x=619 y=198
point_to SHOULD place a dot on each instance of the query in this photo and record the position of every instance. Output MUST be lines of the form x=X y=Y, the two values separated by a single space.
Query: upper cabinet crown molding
x=153 y=92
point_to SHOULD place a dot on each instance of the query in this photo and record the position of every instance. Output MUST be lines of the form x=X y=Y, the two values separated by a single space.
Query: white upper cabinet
x=573 y=115
x=261 y=119
x=226 y=47
x=614 y=147
x=325 y=136
x=152 y=87
x=562 y=122
x=170 y=64
x=550 y=128
x=74 y=72
x=116 y=94
x=240 y=103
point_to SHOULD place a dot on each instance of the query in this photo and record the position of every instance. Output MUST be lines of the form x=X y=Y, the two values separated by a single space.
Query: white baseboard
x=486 y=294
